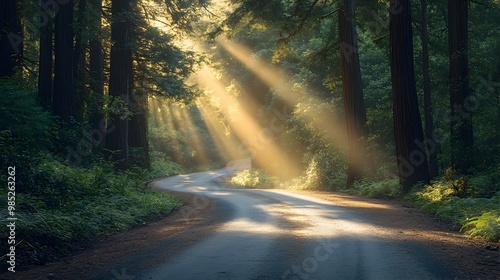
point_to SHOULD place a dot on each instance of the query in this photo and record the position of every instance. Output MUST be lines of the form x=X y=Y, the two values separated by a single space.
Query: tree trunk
x=64 y=84
x=96 y=66
x=138 y=139
x=429 y=121
x=120 y=80
x=79 y=59
x=412 y=160
x=460 y=119
x=11 y=37
x=354 y=104
x=45 y=66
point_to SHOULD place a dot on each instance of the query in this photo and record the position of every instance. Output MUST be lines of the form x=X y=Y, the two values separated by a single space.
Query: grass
x=66 y=206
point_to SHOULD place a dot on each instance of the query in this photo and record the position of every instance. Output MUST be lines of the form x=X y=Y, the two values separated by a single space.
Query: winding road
x=277 y=234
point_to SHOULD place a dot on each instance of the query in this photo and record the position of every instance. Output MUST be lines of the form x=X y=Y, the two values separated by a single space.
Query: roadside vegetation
x=67 y=193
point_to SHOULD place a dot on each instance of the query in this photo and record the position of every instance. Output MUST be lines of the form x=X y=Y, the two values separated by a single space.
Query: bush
x=162 y=166
x=254 y=178
x=325 y=171
x=475 y=216
x=485 y=226
x=389 y=188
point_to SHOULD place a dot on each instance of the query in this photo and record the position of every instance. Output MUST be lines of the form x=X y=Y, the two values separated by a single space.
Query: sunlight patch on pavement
x=245 y=225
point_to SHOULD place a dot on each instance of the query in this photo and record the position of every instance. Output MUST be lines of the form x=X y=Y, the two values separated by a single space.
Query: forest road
x=278 y=234
x=224 y=232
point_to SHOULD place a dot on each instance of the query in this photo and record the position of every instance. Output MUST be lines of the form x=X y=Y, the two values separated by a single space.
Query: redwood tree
x=11 y=40
x=63 y=99
x=428 y=113
x=460 y=120
x=139 y=128
x=96 y=66
x=45 y=63
x=79 y=58
x=412 y=161
x=120 y=81
x=354 y=104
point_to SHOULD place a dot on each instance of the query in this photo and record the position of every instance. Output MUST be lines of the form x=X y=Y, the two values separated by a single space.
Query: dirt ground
x=471 y=258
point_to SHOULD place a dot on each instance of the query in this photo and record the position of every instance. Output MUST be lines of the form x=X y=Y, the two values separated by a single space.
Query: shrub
x=254 y=178
x=389 y=188
x=162 y=166
x=475 y=216
x=485 y=226
x=325 y=171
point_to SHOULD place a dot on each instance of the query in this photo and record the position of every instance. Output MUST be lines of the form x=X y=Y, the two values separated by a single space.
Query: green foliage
x=61 y=202
x=325 y=171
x=254 y=178
x=388 y=188
x=162 y=165
x=69 y=205
x=476 y=216
x=485 y=226
x=23 y=124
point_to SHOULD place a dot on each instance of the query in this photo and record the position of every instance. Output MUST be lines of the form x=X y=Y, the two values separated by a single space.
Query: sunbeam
x=194 y=140
x=257 y=139
x=326 y=121
x=224 y=141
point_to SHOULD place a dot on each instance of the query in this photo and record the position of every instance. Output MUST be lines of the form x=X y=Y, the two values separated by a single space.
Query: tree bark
x=460 y=119
x=96 y=66
x=120 y=80
x=79 y=59
x=139 y=128
x=64 y=84
x=412 y=160
x=354 y=105
x=11 y=37
x=428 y=114
x=45 y=67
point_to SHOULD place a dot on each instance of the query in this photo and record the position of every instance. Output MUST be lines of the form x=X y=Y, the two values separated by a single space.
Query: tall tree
x=354 y=104
x=428 y=113
x=460 y=120
x=138 y=123
x=79 y=59
x=45 y=59
x=412 y=161
x=96 y=66
x=11 y=40
x=120 y=80
x=64 y=84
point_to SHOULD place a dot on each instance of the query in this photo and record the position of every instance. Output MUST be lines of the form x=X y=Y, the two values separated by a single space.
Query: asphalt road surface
x=276 y=234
